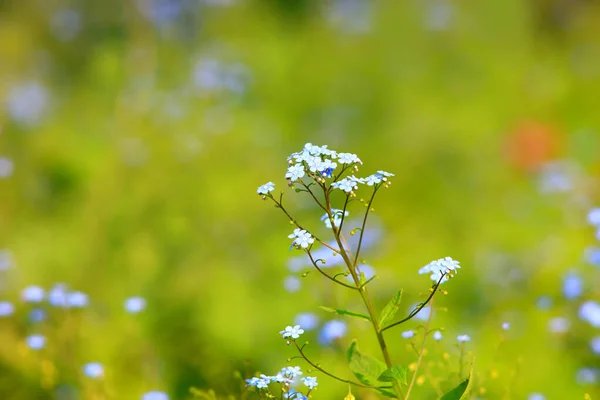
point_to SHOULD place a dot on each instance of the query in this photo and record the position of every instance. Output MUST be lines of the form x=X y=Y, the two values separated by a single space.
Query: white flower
x=302 y=239
x=266 y=188
x=295 y=172
x=373 y=179
x=436 y=268
x=292 y=331
x=310 y=382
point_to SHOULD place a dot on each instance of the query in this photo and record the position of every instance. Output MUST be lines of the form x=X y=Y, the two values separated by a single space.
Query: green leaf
x=390 y=309
x=364 y=367
x=345 y=312
x=460 y=392
x=395 y=373
x=387 y=392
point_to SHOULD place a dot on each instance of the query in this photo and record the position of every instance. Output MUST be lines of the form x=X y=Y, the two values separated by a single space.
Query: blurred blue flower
x=57 y=296
x=587 y=376
x=505 y=326
x=66 y=24
x=590 y=312
x=544 y=303
x=135 y=304
x=292 y=372
x=93 y=370
x=422 y=315
x=593 y=217
x=292 y=284
x=155 y=395
x=37 y=315
x=592 y=256
x=408 y=334
x=35 y=342
x=463 y=338
x=559 y=325
x=6 y=167
x=536 y=396
x=6 y=308
x=27 y=102
x=307 y=321
x=33 y=294
x=332 y=330
x=439 y=16
x=595 y=344
x=294 y=395
x=77 y=299
x=437 y=335
x=572 y=285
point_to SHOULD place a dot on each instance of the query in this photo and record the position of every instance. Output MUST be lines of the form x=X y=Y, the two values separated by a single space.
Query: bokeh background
x=134 y=135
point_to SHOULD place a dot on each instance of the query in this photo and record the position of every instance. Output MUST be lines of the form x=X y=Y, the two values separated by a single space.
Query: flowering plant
x=324 y=175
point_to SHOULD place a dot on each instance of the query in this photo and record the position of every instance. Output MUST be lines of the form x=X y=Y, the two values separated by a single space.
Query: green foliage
x=395 y=373
x=365 y=367
x=390 y=309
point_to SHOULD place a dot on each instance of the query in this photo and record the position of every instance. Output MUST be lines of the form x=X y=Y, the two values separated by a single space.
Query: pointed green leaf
x=390 y=309
x=345 y=312
x=462 y=390
x=395 y=373
x=364 y=367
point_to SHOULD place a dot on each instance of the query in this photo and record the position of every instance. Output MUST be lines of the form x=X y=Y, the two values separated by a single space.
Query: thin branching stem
x=317 y=367
x=419 y=307
x=420 y=358
x=362 y=228
x=327 y=275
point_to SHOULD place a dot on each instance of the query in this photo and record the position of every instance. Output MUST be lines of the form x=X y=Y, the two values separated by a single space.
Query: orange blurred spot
x=531 y=145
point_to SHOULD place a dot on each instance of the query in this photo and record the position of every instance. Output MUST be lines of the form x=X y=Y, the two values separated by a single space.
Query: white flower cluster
x=287 y=376
x=437 y=268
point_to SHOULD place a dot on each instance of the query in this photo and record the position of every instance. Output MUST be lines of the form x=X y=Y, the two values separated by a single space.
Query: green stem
x=421 y=352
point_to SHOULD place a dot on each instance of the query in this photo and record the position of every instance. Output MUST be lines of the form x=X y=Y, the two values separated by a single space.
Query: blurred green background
x=134 y=135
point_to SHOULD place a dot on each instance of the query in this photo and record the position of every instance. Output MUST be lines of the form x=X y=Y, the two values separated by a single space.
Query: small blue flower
x=385 y=174
x=463 y=338
x=307 y=321
x=544 y=303
x=345 y=185
x=373 y=179
x=587 y=376
x=295 y=172
x=291 y=372
x=155 y=395
x=252 y=381
x=292 y=331
x=505 y=326
x=266 y=188
x=294 y=395
x=332 y=330
x=6 y=308
x=93 y=370
x=135 y=304
x=408 y=334
x=292 y=284
x=310 y=382
x=437 y=335
x=35 y=342
x=263 y=383
x=33 y=294
x=5 y=260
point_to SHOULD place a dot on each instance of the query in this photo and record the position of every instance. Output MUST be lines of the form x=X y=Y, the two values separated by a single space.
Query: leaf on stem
x=395 y=373
x=461 y=391
x=363 y=366
x=390 y=309
x=346 y=312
